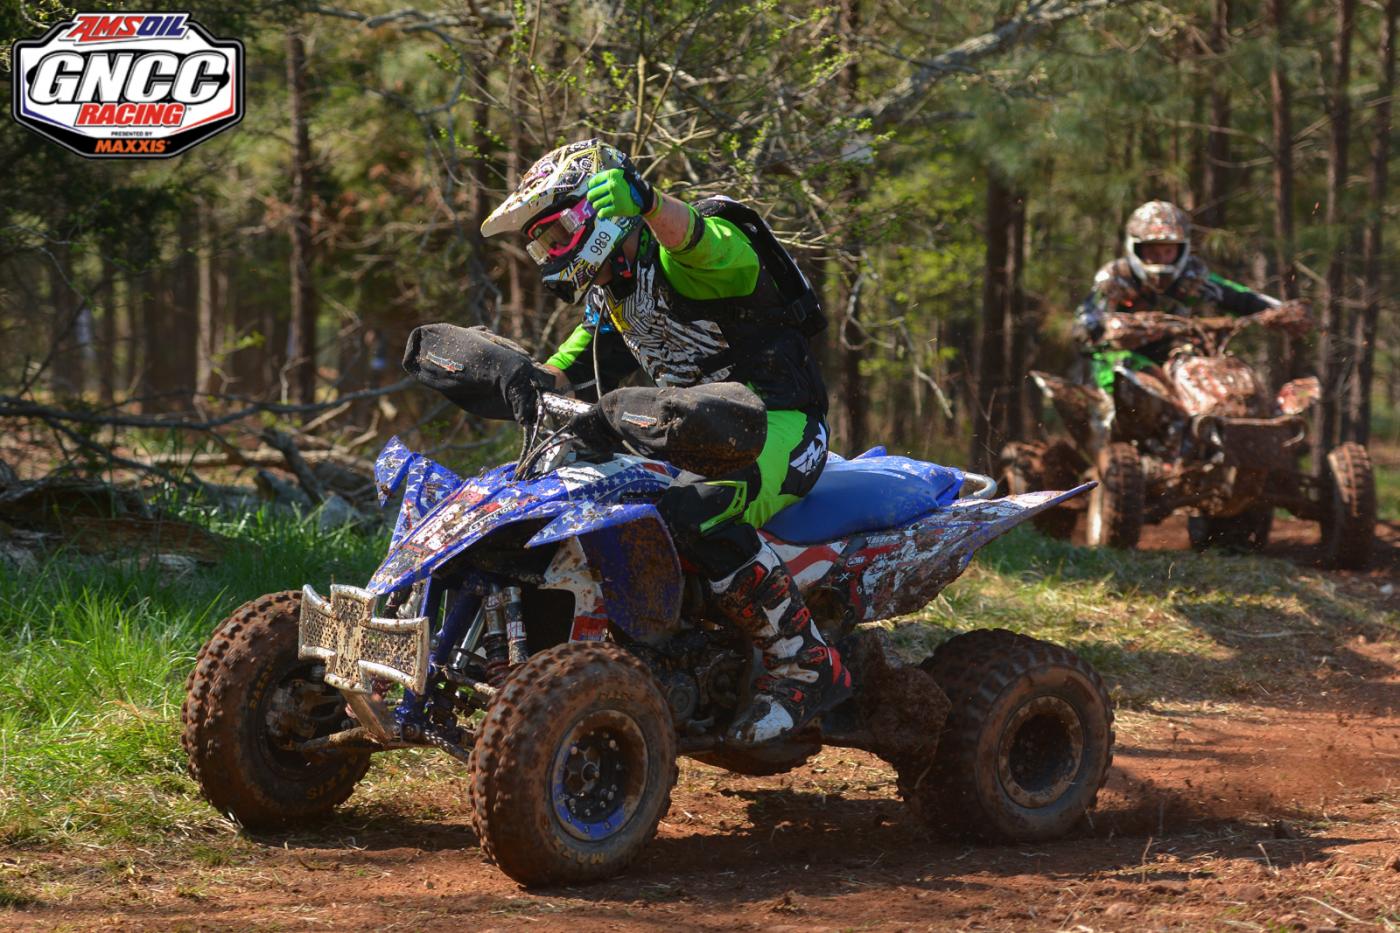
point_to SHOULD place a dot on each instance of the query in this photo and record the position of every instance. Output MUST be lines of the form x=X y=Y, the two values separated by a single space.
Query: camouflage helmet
x=567 y=240
x=1158 y=222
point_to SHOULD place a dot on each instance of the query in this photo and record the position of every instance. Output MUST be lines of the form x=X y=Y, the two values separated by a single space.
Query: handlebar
x=561 y=406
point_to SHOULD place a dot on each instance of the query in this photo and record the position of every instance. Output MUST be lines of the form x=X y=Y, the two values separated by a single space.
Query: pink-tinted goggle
x=558 y=234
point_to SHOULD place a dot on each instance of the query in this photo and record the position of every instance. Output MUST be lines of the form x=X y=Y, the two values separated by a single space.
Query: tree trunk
x=301 y=339
x=181 y=339
x=1215 y=181
x=855 y=394
x=133 y=368
x=153 y=379
x=1016 y=334
x=514 y=324
x=988 y=417
x=206 y=339
x=1358 y=426
x=65 y=350
x=1290 y=361
x=107 y=334
x=1330 y=363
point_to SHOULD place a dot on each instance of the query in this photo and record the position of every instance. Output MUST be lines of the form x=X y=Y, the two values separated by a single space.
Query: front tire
x=573 y=767
x=1349 y=508
x=1116 y=504
x=1026 y=746
x=1035 y=466
x=248 y=702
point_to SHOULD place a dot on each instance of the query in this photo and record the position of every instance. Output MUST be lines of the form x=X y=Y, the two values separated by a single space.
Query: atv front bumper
x=356 y=646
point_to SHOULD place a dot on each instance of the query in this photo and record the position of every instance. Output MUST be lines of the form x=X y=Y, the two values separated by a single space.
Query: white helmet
x=567 y=240
x=1158 y=222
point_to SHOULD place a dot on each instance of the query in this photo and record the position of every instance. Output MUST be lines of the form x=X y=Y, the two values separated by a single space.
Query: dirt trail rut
x=1275 y=815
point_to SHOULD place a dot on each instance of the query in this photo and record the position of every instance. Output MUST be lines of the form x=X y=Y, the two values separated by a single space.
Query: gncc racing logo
x=128 y=85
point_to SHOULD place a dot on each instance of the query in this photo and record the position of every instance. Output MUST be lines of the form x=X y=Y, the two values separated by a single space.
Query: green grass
x=93 y=659
x=1160 y=626
x=94 y=655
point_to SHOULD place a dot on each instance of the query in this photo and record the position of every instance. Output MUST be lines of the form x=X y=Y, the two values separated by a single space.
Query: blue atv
x=535 y=623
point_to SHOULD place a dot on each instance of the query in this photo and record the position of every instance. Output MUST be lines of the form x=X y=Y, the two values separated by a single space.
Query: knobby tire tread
x=507 y=747
x=1123 y=496
x=1348 y=532
x=216 y=759
x=1024 y=469
x=974 y=669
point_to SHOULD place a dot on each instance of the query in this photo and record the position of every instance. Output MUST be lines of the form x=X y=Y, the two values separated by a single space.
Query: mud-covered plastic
x=480 y=372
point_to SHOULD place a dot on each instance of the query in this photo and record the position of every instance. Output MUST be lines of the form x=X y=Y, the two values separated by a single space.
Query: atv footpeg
x=357 y=647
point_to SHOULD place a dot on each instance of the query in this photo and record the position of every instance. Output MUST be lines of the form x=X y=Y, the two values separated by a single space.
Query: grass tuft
x=15 y=899
x=93 y=660
x=1160 y=625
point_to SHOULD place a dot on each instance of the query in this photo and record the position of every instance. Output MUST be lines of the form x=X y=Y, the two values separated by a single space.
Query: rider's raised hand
x=1291 y=317
x=621 y=192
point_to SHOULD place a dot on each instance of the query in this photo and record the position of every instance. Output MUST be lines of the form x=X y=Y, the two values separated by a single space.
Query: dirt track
x=1275 y=816
x=1291 y=539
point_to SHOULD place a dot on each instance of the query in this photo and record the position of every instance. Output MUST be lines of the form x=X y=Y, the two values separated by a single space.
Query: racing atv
x=535 y=623
x=1200 y=433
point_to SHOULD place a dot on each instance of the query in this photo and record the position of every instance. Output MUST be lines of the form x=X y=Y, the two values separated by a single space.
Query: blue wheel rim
x=599 y=775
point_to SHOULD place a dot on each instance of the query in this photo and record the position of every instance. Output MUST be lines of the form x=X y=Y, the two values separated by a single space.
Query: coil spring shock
x=504 y=641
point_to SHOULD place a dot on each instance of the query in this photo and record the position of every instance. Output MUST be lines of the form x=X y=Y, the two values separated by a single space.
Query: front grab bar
x=988 y=485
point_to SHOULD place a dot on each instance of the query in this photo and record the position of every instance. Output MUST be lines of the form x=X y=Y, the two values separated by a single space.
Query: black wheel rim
x=297 y=707
x=1040 y=752
x=599 y=775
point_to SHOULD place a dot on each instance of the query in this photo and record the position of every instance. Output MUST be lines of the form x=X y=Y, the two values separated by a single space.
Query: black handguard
x=480 y=372
x=522 y=393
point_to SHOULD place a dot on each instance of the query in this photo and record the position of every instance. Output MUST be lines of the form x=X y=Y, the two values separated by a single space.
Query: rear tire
x=1026 y=746
x=574 y=765
x=248 y=701
x=1349 y=508
x=1116 y=504
x=1246 y=532
x=1036 y=466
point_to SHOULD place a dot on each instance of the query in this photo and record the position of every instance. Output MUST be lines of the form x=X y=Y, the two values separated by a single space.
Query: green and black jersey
x=1117 y=290
x=649 y=323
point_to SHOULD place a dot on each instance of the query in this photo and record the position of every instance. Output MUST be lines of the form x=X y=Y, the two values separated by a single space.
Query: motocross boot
x=803 y=675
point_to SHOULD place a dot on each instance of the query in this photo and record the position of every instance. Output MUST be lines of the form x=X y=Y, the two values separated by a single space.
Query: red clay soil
x=1277 y=816
x=1291 y=539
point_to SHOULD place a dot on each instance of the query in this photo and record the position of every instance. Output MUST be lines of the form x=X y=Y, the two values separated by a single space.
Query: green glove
x=620 y=192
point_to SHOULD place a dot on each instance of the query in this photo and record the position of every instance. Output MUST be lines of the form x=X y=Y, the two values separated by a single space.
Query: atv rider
x=690 y=298
x=1160 y=273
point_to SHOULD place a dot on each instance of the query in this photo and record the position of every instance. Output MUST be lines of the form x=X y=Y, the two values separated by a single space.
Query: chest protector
x=790 y=302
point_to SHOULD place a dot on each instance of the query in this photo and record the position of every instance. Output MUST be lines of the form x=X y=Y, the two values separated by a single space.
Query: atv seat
x=873 y=492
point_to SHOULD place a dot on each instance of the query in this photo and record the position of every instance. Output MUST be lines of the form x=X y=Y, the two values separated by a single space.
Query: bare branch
x=16 y=407
x=1038 y=15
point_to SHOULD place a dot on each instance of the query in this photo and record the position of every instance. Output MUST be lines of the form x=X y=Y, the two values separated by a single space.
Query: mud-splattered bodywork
x=471 y=552
x=1210 y=436
x=619 y=562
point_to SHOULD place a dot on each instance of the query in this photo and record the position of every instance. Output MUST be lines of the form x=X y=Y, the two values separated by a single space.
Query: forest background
x=950 y=175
